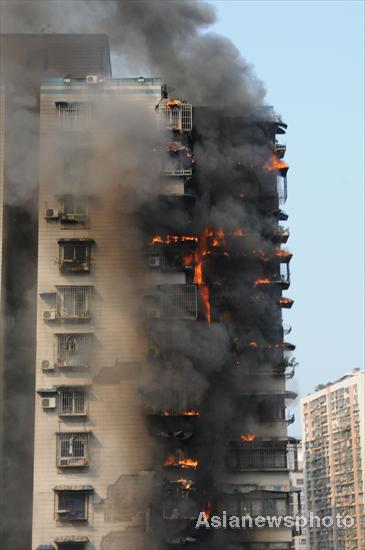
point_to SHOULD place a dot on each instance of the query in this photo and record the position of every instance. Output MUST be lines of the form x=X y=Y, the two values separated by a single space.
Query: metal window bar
x=263 y=458
x=73 y=350
x=179 y=117
x=75 y=257
x=72 y=402
x=73 y=445
x=72 y=505
x=282 y=188
x=179 y=301
x=75 y=117
x=73 y=302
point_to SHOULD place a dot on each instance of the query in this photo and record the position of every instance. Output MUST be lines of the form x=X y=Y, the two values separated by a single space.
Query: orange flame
x=187 y=412
x=186 y=483
x=261 y=254
x=281 y=253
x=259 y=282
x=248 y=437
x=208 y=510
x=170 y=239
x=275 y=164
x=285 y=300
x=171 y=460
x=200 y=252
x=253 y=344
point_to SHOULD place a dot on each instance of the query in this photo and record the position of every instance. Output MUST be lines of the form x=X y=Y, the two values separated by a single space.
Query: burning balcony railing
x=178 y=459
x=285 y=302
x=175 y=114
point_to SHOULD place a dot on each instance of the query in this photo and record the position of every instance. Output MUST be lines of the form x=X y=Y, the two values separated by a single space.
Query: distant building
x=296 y=476
x=333 y=421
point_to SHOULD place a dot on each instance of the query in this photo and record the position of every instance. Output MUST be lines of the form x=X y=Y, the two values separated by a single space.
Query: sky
x=310 y=56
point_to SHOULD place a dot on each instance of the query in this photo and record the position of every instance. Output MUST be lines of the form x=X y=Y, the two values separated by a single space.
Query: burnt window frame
x=75 y=265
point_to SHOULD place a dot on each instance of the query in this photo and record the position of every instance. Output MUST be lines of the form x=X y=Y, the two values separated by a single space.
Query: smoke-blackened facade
x=161 y=353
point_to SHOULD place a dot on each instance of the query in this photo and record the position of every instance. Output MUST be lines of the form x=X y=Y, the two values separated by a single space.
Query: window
x=72 y=402
x=72 y=449
x=74 y=116
x=73 y=350
x=75 y=256
x=73 y=302
x=76 y=167
x=75 y=210
x=178 y=301
x=72 y=505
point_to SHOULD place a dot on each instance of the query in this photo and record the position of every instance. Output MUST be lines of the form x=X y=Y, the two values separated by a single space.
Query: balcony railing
x=175 y=115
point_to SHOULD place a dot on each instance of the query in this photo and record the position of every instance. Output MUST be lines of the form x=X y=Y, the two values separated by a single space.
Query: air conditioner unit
x=92 y=79
x=47 y=365
x=52 y=214
x=49 y=403
x=154 y=261
x=49 y=315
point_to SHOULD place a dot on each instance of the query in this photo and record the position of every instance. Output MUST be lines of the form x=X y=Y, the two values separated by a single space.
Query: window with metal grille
x=72 y=449
x=74 y=116
x=75 y=257
x=178 y=301
x=178 y=117
x=72 y=505
x=73 y=350
x=75 y=209
x=259 y=458
x=72 y=402
x=73 y=302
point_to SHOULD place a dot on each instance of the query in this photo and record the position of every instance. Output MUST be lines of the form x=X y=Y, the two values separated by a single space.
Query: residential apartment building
x=298 y=508
x=135 y=305
x=333 y=421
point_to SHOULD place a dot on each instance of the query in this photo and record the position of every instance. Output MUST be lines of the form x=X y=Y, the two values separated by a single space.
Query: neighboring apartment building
x=333 y=422
x=126 y=447
x=24 y=59
x=298 y=504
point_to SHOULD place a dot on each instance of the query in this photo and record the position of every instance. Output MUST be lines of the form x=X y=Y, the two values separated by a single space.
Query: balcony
x=258 y=455
x=282 y=187
x=280 y=150
x=285 y=302
x=176 y=115
x=74 y=116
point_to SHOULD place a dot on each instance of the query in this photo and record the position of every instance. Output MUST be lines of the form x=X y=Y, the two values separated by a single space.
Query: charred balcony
x=75 y=255
x=175 y=114
x=285 y=302
x=258 y=455
x=171 y=253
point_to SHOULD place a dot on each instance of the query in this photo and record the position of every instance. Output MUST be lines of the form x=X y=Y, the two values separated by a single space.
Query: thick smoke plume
x=203 y=365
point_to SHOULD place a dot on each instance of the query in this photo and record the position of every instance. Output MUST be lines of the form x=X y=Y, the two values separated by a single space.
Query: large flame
x=187 y=412
x=170 y=239
x=181 y=462
x=274 y=163
x=199 y=254
x=285 y=301
x=281 y=253
x=186 y=483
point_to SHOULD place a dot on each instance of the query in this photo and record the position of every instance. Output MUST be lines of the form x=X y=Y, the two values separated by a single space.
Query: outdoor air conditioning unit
x=49 y=403
x=52 y=214
x=154 y=261
x=49 y=315
x=47 y=365
x=92 y=79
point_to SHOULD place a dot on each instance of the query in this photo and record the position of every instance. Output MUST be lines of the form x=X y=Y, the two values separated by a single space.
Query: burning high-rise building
x=161 y=355
x=162 y=359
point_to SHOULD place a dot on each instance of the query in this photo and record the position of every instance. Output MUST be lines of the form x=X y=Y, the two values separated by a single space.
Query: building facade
x=157 y=396
x=333 y=436
x=298 y=504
